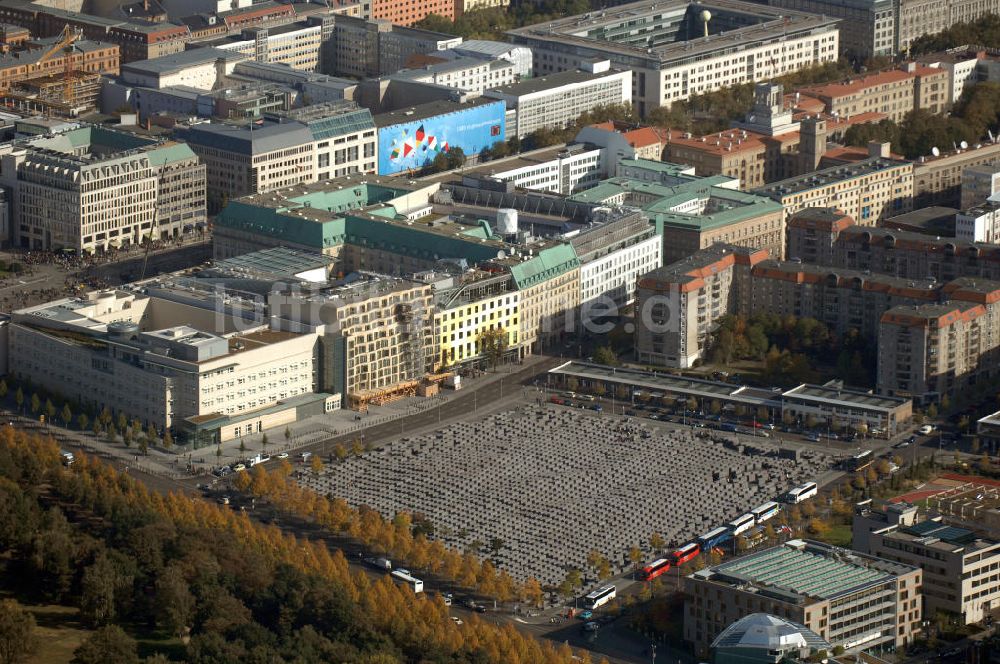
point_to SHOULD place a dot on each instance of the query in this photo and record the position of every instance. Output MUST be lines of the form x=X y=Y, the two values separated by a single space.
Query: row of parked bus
x=723 y=534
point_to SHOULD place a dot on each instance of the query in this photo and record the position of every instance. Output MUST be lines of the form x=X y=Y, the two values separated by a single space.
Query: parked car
x=925 y=430
x=282 y=455
x=585 y=615
x=456 y=620
x=224 y=500
x=239 y=468
x=591 y=627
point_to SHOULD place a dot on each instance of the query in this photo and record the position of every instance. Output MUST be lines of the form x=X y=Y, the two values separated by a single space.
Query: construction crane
x=67 y=38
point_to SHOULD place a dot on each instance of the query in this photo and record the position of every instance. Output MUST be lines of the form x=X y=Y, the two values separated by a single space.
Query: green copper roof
x=547 y=264
x=170 y=153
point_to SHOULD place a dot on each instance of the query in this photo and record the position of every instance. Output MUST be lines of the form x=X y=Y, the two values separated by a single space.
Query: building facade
x=671 y=56
x=91 y=189
x=853 y=601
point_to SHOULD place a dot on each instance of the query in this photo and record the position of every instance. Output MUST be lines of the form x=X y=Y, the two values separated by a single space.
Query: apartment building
x=915 y=18
x=344 y=136
x=669 y=53
x=556 y=100
x=244 y=159
x=812 y=234
x=959 y=567
x=903 y=254
x=869 y=190
x=678 y=305
x=937 y=180
x=403 y=12
x=962 y=65
x=92 y=188
x=926 y=352
x=559 y=170
x=852 y=600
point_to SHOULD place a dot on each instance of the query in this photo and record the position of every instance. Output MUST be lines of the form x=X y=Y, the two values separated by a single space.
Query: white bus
x=599 y=597
x=801 y=493
x=741 y=524
x=403 y=575
x=765 y=512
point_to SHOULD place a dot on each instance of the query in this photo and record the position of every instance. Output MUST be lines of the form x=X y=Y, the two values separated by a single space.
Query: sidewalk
x=182 y=462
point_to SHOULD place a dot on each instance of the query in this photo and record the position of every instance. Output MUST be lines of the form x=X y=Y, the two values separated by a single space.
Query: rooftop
x=799 y=571
x=248 y=138
x=827 y=176
x=428 y=110
x=550 y=82
x=767 y=632
x=671 y=31
x=175 y=62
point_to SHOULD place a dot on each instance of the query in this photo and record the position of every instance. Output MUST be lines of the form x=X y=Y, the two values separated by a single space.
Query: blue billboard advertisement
x=414 y=144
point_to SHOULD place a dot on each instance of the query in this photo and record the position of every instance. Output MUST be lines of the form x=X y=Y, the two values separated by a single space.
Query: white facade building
x=615 y=275
x=199 y=68
x=556 y=100
x=979 y=224
x=570 y=170
x=519 y=56
x=469 y=74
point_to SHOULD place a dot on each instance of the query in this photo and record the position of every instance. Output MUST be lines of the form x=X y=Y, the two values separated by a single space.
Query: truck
x=380 y=563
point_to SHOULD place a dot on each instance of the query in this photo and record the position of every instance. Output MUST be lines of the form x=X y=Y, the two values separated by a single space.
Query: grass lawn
x=59 y=633
x=839 y=535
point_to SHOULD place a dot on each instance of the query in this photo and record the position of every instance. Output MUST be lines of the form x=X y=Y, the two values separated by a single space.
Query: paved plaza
x=553 y=483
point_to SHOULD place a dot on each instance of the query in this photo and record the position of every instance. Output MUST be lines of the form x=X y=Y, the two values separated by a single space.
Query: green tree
x=168 y=440
x=492 y=344
x=605 y=355
x=36 y=404
x=66 y=414
x=122 y=421
x=19 y=398
x=570 y=583
x=50 y=410
x=174 y=601
x=144 y=446
x=17 y=633
x=339 y=451
x=82 y=422
x=288 y=434
x=98 y=588
x=108 y=644
x=3 y=389
x=932 y=411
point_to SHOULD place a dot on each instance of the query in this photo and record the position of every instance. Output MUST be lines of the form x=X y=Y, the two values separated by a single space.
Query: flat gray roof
x=248 y=139
x=550 y=81
x=174 y=62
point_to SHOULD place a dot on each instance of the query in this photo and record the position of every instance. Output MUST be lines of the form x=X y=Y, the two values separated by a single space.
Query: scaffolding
x=360 y=401
x=47 y=94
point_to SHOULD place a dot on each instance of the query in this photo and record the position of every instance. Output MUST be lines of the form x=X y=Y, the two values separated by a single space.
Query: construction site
x=58 y=76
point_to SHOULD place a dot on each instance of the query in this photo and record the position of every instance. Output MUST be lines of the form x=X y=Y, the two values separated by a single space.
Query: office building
x=867 y=27
x=777 y=139
x=666 y=47
x=158 y=357
x=200 y=68
x=555 y=101
x=892 y=93
x=979 y=183
x=695 y=212
x=294 y=44
x=91 y=188
x=760 y=638
x=244 y=159
x=959 y=566
x=344 y=136
x=980 y=223
x=468 y=74
x=360 y=48
x=869 y=190
x=962 y=65
x=484 y=49
x=851 y=600
x=628 y=140
x=558 y=170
